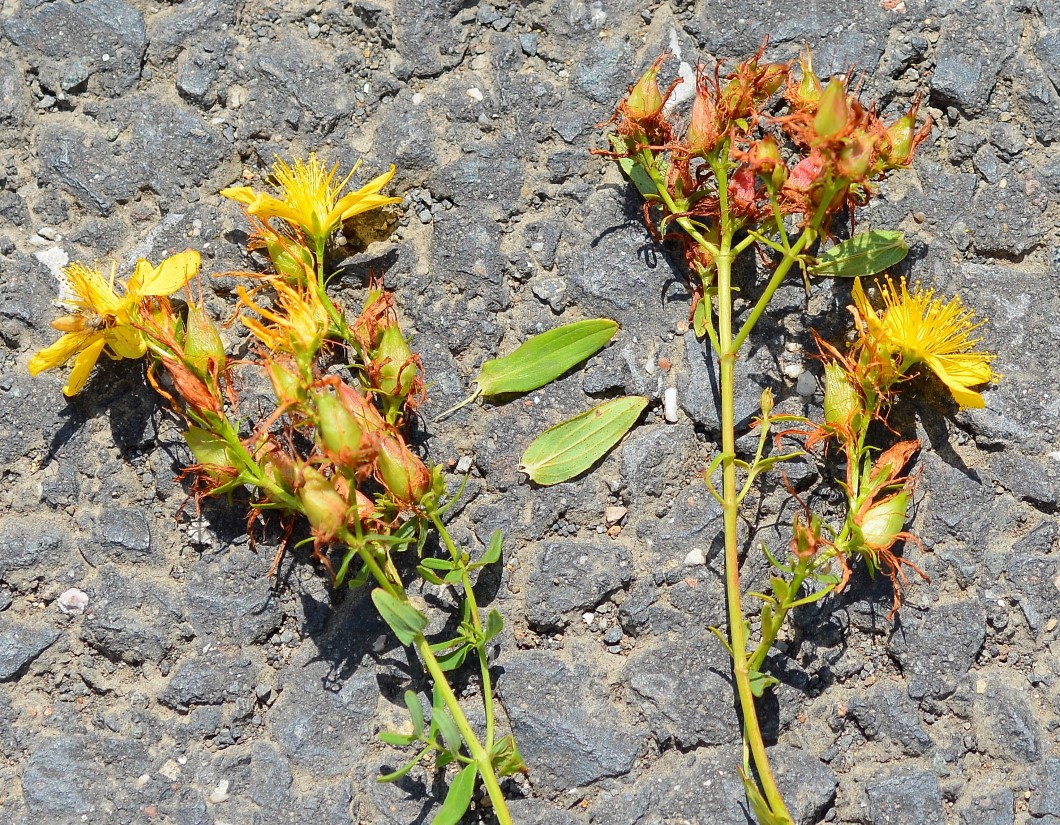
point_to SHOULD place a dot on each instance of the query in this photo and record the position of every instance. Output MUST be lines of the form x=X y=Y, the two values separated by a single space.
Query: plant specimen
x=768 y=162
x=333 y=451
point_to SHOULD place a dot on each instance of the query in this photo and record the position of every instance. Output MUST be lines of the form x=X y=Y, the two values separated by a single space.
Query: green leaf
x=865 y=254
x=452 y=659
x=443 y=722
x=700 y=318
x=760 y=682
x=763 y=814
x=545 y=357
x=494 y=623
x=780 y=588
x=493 y=552
x=412 y=702
x=634 y=171
x=429 y=575
x=562 y=452
x=437 y=564
x=398 y=739
x=506 y=758
x=404 y=769
x=458 y=798
x=404 y=619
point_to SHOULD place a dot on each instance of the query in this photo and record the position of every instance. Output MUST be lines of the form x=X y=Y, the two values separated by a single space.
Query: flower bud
x=325 y=508
x=280 y=469
x=213 y=454
x=645 y=100
x=805 y=538
x=767 y=403
x=809 y=89
x=203 y=350
x=340 y=431
x=832 y=110
x=882 y=524
x=406 y=477
x=842 y=401
x=396 y=369
x=771 y=77
x=287 y=384
x=361 y=408
x=855 y=157
x=765 y=157
x=703 y=131
x=292 y=260
x=899 y=145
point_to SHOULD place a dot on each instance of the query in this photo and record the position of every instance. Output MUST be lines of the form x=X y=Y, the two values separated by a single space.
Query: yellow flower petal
x=242 y=194
x=86 y=360
x=266 y=206
x=126 y=341
x=367 y=197
x=167 y=277
x=57 y=354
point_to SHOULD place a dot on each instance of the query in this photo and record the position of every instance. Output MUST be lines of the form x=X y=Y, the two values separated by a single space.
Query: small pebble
x=474 y=94
x=424 y=215
x=313 y=30
x=48 y=233
x=614 y=514
x=73 y=602
x=695 y=557
x=588 y=618
x=792 y=371
x=465 y=463
x=670 y=404
x=220 y=793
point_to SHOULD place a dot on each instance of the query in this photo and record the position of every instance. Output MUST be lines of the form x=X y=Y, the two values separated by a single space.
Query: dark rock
x=602 y=75
x=635 y=614
x=995 y=809
x=960 y=506
x=905 y=799
x=698 y=390
x=107 y=35
x=209 y=680
x=555 y=710
x=487 y=165
x=807 y=785
x=1011 y=723
x=67 y=776
x=284 y=67
x=1045 y=799
x=14 y=102
x=937 y=647
x=698 y=787
x=1005 y=222
x=165 y=148
x=172 y=28
x=677 y=690
x=693 y=522
x=407 y=139
x=23 y=642
x=270 y=780
x=123 y=534
x=884 y=713
x=196 y=78
x=428 y=41
x=1026 y=477
x=131 y=620
x=1034 y=578
x=13 y=209
x=574 y=576
x=655 y=455
x=29 y=541
x=233 y=604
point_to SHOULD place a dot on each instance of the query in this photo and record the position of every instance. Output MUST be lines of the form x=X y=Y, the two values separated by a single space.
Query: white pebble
x=588 y=618
x=417 y=99
x=793 y=371
x=670 y=404
x=464 y=464
x=73 y=601
x=474 y=94
x=695 y=557
x=220 y=793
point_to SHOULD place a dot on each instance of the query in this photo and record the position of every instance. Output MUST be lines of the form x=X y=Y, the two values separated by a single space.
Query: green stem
x=476 y=620
x=737 y=629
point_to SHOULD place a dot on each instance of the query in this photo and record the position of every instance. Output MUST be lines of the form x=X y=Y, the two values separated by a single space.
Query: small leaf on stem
x=865 y=254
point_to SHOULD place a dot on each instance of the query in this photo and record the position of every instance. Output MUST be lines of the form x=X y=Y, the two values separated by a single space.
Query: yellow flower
x=309 y=198
x=102 y=320
x=918 y=328
x=299 y=320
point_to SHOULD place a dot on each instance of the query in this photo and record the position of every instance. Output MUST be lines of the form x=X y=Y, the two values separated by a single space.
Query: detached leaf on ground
x=865 y=254
x=545 y=357
x=572 y=447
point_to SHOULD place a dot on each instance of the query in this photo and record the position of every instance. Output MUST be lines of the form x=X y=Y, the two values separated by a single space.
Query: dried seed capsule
x=203 y=350
x=882 y=524
x=396 y=369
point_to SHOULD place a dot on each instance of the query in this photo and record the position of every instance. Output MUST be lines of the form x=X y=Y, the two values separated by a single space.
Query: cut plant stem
x=727 y=355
